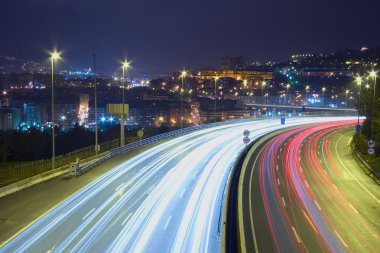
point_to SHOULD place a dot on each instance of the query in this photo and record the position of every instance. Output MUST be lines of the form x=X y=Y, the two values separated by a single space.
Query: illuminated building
x=207 y=116
x=83 y=109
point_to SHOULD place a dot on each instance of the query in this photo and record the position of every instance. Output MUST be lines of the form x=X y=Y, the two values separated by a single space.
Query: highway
x=301 y=190
x=166 y=199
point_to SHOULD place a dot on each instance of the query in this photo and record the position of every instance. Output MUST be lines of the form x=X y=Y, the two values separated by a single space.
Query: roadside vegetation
x=371 y=125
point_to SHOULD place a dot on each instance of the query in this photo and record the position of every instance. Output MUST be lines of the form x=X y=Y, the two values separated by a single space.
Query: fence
x=16 y=171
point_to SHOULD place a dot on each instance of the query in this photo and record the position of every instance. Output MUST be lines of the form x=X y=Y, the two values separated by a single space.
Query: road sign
x=118 y=109
x=246 y=140
x=358 y=127
x=246 y=133
x=371 y=151
x=371 y=143
x=282 y=121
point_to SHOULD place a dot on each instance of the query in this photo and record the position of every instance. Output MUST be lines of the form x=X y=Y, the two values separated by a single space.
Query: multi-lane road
x=301 y=190
x=166 y=199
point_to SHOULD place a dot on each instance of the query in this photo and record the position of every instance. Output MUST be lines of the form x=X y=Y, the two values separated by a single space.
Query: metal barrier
x=150 y=140
x=14 y=172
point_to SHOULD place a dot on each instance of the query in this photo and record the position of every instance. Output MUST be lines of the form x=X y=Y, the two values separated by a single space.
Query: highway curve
x=301 y=190
x=169 y=198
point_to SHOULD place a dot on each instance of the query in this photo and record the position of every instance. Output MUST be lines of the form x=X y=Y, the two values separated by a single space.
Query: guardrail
x=133 y=146
x=16 y=171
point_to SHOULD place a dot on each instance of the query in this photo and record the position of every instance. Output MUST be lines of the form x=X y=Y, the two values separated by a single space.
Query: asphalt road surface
x=303 y=191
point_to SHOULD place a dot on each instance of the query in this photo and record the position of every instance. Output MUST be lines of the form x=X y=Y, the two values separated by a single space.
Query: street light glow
x=126 y=64
x=373 y=74
x=359 y=80
x=183 y=73
x=55 y=55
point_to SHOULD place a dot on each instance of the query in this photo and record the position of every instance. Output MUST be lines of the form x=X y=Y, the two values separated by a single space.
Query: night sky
x=161 y=36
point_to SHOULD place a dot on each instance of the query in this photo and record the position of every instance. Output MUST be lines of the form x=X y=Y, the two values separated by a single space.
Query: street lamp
x=53 y=57
x=263 y=84
x=183 y=75
x=359 y=81
x=347 y=92
x=373 y=74
x=306 y=91
x=323 y=93
x=125 y=66
x=287 y=91
x=216 y=80
x=245 y=83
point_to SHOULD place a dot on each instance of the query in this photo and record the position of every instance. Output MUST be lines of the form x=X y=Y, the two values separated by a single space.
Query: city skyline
x=166 y=36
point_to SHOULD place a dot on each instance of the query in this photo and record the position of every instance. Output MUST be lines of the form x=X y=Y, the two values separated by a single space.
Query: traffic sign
x=371 y=151
x=371 y=143
x=246 y=140
x=246 y=133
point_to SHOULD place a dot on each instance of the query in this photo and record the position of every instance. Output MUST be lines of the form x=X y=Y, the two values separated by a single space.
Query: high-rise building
x=83 y=109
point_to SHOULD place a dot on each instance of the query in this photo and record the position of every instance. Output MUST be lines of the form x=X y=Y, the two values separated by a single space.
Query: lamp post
x=358 y=80
x=263 y=83
x=287 y=92
x=306 y=91
x=54 y=56
x=323 y=94
x=122 y=138
x=96 y=108
x=216 y=80
x=373 y=74
x=347 y=92
x=183 y=75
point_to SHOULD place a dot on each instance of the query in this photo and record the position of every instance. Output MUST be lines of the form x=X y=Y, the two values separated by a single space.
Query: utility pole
x=96 y=108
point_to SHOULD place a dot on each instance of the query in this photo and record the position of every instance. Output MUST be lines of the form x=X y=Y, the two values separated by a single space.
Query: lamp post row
x=55 y=56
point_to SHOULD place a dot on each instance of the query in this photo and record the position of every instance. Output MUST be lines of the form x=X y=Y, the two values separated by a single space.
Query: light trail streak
x=315 y=203
x=138 y=198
